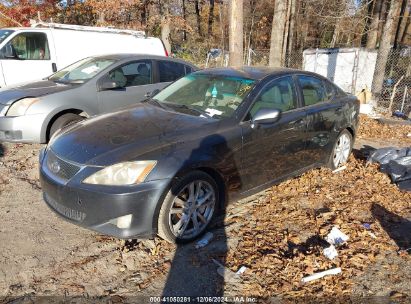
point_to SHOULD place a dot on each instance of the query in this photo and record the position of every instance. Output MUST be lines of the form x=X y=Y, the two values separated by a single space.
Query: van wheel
x=62 y=121
x=188 y=208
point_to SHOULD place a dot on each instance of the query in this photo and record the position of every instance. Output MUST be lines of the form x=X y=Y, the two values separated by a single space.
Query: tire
x=342 y=146
x=63 y=121
x=178 y=213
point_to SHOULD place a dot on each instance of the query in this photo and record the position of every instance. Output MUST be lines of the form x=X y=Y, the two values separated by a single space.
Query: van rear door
x=28 y=56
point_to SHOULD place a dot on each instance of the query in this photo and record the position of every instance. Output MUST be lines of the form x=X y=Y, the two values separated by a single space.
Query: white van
x=32 y=53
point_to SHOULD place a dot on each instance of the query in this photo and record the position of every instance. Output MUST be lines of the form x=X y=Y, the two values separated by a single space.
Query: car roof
x=255 y=73
x=127 y=57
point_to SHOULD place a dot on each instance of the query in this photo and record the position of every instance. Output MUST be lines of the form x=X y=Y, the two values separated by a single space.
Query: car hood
x=32 y=89
x=125 y=135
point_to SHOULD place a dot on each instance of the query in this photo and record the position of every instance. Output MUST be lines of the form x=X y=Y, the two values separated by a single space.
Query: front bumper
x=26 y=128
x=95 y=207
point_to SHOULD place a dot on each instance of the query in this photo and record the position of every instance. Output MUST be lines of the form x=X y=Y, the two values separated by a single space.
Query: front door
x=275 y=150
x=136 y=84
x=32 y=58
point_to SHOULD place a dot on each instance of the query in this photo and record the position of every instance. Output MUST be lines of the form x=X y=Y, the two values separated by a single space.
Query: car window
x=279 y=94
x=132 y=74
x=313 y=90
x=29 y=46
x=170 y=71
x=189 y=70
x=329 y=90
x=81 y=71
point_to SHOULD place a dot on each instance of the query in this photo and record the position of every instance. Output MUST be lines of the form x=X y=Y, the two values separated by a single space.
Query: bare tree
x=236 y=33
x=165 y=24
x=372 y=36
x=384 y=49
x=277 y=33
x=197 y=9
x=211 y=17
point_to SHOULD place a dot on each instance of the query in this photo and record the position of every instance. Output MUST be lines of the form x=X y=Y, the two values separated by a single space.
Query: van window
x=313 y=90
x=132 y=74
x=170 y=71
x=29 y=46
x=4 y=34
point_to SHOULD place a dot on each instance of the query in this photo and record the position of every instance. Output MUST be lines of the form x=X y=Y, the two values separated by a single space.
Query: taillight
x=165 y=50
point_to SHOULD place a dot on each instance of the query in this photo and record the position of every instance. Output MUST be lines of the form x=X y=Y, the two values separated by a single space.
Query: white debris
x=330 y=252
x=319 y=275
x=204 y=240
x=371 y=234
x=340 y=169
x=227 y=274
x=336 y=237
x=241 y=270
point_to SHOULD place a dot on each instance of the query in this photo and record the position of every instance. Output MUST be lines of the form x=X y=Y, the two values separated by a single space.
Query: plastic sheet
x=396 y=163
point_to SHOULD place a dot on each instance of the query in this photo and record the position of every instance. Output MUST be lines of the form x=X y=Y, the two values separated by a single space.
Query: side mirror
x=265 y=116
x=10 y=52
x=109 y=85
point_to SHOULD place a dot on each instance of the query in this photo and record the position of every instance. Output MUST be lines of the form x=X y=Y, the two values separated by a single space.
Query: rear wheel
x=341 y=151
x=188 y=208
x=63 y=121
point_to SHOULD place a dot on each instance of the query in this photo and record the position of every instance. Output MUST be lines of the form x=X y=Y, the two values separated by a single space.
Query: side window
x=313 y=90
x=132 y=74
x=29 y=46
x=279 y=94
x=189 y=70
x=170 y=71
x=329 y=90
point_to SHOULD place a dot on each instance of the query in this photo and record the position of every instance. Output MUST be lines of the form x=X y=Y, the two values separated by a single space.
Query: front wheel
x=188 y=208
x=341 y=151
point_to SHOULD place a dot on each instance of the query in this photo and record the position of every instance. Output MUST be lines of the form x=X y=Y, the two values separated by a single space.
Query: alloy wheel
x=192 y=209
x=342 y=150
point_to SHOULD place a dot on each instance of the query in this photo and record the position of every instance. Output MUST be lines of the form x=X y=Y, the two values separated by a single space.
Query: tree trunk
x=197 y=8
x=384 y=49
x=372 y=36
x=291 y=30
x=165 y=28
x=286 y=31
x=236 y=33
x=211 y=18
x=277 y=33
x=407 y=28
x=398 y=35
x=184 y=17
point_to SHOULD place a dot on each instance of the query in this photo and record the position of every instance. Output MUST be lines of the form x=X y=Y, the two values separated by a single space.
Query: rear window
x=171 y=71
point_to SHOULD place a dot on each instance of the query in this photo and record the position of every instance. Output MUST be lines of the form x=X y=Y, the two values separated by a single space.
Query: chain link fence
x=353 y=69
x=396 y=89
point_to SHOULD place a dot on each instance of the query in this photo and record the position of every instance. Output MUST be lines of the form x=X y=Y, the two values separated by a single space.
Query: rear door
x=324 y=113
x=136 y=81
x=169 y=71
x=275 y=150
x=34 y=57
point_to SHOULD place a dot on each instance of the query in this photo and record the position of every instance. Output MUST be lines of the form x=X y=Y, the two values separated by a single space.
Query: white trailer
x=32 y=53
x=352 y=69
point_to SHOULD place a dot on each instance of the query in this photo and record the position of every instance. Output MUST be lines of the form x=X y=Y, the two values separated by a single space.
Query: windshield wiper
x=183 y=106
x=156 y=102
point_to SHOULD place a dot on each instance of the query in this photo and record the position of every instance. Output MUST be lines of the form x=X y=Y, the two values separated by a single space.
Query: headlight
x=21 y=106
x=127 y=173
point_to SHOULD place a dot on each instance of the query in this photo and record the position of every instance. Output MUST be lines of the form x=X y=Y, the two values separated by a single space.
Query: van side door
x=28 y=56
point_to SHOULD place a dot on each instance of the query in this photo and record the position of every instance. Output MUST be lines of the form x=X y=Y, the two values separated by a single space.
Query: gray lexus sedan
x=167 y=165
x=33 y=112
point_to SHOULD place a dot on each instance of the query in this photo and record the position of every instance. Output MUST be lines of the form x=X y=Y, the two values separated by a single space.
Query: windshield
x=4 y=34
x=81 y=71
x=206 y=95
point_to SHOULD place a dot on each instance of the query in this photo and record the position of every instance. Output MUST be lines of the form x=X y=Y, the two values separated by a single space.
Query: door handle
x=54 y=67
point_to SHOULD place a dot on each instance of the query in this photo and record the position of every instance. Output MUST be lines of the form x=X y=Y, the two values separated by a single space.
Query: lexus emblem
x=55 y=167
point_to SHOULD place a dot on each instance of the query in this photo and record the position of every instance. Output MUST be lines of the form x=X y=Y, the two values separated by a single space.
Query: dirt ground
x=277 y=235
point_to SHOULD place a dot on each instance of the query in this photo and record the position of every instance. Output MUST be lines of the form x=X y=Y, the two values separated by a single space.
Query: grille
x=60 y=167
x=72 y=214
